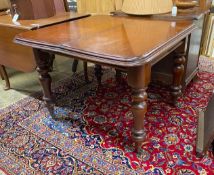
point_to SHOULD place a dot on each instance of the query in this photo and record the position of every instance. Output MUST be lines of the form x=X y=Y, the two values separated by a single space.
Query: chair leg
x=1 y=75
x=118 y=75
x=4 y=76
x=98 y=73
x=85 y=65
x=52 y=58
x=74 y=66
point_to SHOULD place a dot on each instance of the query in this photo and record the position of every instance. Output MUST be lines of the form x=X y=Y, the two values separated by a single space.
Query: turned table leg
x=178 y=72
x=138 y=79
x=5 y=77
x=43 y=61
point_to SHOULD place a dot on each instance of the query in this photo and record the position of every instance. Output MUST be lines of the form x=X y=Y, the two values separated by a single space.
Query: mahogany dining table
x=129 y=43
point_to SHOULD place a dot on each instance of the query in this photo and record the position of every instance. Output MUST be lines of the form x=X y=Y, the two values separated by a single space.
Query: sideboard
x=161 y=72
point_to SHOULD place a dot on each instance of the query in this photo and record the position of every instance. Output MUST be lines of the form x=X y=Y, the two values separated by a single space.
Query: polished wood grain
x=119 y=39
x=138 y=79
x=6 y=20
x=129 y=43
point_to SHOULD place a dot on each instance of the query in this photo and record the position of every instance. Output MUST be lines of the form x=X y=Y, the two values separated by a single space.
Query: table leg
x=138 y=79
x=43 y=61
x=4 y=76
x=178 y=72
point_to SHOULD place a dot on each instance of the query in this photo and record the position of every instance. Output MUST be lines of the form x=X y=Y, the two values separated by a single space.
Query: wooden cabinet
x=194 y=49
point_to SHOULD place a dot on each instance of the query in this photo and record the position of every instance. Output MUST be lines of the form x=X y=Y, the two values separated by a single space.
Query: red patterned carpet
x=90 y=132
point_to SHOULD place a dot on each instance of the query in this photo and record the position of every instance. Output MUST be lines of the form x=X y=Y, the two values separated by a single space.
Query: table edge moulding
x=130 y=53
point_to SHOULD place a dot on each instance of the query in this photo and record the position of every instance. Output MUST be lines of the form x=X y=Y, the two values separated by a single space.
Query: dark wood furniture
x=128 y=43
x=160 y=71
x=37 y=9
x=205 y=132
x=20 y=57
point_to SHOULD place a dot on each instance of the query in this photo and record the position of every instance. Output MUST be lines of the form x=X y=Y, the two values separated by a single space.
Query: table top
x=6 y=20
x=123 y=41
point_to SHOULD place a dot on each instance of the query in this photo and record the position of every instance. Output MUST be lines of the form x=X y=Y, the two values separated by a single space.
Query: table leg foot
x=5 y=77
x=178 y=72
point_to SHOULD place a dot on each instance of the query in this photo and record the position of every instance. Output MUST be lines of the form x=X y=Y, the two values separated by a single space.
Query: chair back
x=37 y=9
x=61 y=6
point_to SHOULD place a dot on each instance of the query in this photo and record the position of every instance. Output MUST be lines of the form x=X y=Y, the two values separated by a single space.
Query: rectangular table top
x=124 y=41
x=6 y=20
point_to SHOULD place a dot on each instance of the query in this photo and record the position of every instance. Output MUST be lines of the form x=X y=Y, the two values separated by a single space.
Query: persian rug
x=89 y=132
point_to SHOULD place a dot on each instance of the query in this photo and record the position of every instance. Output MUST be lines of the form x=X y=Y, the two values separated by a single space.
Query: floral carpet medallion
x=90 y=131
